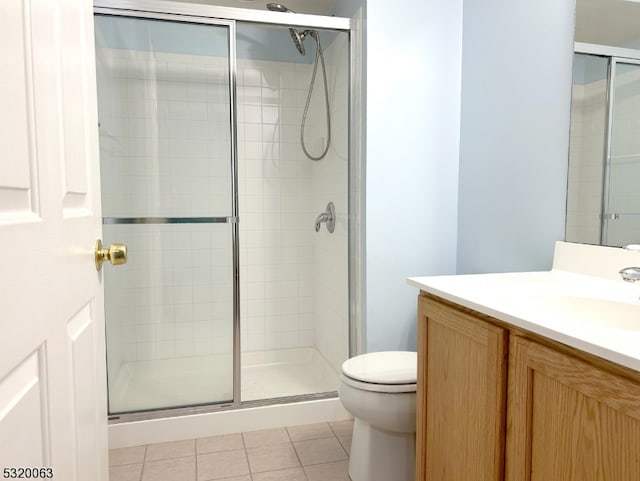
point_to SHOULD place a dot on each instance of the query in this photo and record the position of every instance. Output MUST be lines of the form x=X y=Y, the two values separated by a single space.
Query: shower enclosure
x=231 y=296
x=603 y=202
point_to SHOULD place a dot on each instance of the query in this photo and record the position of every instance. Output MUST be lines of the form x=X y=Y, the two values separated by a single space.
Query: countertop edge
x=599 y=350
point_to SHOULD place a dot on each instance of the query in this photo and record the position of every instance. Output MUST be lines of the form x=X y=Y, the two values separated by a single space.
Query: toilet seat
x=382 y=388
x=389 y=371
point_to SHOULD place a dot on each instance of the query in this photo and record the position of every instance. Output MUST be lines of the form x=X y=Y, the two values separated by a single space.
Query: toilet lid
x=389 y=367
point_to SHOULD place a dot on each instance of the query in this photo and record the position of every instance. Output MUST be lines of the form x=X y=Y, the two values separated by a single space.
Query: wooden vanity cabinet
x=461 y=396
x=569 y=420
x=564 y=415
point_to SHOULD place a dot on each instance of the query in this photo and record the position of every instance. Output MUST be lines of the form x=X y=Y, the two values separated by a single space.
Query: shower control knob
x=116 y=254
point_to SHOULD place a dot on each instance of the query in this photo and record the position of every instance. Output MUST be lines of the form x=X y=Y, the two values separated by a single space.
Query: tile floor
x=311 y=452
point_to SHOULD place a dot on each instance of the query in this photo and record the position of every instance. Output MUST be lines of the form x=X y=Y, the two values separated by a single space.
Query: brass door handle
x=116 y=254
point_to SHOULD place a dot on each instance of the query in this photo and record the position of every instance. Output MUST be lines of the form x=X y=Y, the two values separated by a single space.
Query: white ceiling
x=608 y=22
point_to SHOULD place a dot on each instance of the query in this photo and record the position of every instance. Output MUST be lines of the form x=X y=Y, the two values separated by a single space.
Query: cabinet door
x=461 y=396
x=568 y=420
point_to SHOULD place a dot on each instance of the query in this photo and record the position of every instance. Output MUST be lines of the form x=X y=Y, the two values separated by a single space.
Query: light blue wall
x=516 y=93
x=413 y=106
x=497 y=203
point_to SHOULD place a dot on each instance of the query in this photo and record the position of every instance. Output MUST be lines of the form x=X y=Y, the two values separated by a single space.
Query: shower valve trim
x=328 y=217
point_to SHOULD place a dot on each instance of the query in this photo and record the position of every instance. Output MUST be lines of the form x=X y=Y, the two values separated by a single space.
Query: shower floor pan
x=166 y=383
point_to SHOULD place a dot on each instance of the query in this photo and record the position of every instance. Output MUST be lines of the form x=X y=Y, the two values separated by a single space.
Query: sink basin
x=605 y=313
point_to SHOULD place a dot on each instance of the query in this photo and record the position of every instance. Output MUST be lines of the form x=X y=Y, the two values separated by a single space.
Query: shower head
x=298 y=39
x=296 y=36
x=278 y=7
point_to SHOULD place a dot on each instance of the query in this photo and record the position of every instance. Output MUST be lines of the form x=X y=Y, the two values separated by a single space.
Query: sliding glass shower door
x=168 y=192
x=621 y=220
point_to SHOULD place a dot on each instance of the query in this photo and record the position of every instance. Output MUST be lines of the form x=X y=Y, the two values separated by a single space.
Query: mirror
x=603 y=201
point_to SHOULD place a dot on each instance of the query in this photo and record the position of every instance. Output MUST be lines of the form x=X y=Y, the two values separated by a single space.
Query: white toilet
x=379 y=390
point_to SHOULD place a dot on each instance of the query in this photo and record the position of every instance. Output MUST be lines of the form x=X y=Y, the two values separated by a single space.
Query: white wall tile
x=169 y=157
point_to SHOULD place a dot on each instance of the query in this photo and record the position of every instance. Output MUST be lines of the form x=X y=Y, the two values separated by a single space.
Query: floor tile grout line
x=327 y=462
x=290 y=442
x=279 y=471
x=295 y=450
x=246 y=454
x=195 y=448
x=335 y=422
x=170 y=459
x=304 y=473
x=144 y=461
x=144 y=465
x=333 y=433
x=144 y=456
x=128 y=464
x=224 y=450
x=134 y=462
x=125 y=464
x=194 y=456
x=342 y=447
x=246 y=458
x=348 y=453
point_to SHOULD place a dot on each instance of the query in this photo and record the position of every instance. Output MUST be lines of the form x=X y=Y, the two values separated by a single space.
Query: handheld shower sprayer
x=298 y=39
x=278 y=7
x=297 y=36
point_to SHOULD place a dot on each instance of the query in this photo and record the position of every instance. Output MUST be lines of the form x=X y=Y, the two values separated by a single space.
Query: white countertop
x=581 y=302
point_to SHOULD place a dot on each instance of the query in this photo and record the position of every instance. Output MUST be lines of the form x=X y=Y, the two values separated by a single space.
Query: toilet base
x=378 y=455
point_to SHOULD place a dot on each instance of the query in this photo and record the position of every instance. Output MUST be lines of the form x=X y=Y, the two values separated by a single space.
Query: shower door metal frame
x=208 y=13
x=225 y=16
x=232 y=219
x=611 y=88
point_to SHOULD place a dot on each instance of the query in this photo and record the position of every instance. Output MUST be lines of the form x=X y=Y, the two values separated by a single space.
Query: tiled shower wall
x=276 y=249
x=586 y=164
x=586 y=169
x=330 y=182
x=165 y=152
x=296 y=279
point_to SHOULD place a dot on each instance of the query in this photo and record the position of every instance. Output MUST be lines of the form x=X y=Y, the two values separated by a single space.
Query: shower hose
x=319 y=55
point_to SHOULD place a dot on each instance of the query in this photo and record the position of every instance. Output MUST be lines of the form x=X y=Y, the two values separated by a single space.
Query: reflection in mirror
x=603 y=201
x=621 y=220
x=586 y=149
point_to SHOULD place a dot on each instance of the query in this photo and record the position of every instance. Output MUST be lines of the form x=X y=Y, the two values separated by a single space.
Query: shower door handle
x=116 y=254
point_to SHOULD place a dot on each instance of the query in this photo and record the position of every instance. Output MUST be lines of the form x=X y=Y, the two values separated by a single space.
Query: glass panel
x=165 y=151
x=294 y=282
x=587 y=148
x=169 y=312
x=623 y=199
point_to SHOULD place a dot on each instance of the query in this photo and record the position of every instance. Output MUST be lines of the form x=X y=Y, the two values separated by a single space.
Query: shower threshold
x=265 y=375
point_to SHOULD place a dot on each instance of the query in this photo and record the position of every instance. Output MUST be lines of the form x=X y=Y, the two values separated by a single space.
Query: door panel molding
x=18 y=169
x=23 y=414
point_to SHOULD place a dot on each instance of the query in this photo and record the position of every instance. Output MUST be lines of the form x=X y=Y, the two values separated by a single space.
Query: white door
x=52 y=359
